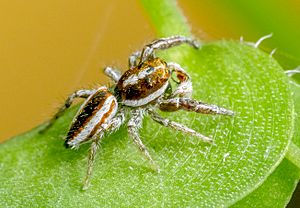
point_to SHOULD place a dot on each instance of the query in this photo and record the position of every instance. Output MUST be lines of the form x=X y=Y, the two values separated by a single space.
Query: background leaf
x=276 y=191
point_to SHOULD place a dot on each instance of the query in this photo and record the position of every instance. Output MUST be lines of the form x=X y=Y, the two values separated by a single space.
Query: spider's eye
x=150 y=70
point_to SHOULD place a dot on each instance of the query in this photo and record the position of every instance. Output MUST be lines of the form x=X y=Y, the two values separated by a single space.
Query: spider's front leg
x=188 y=104
x=107 y=128
x=112 y=73
x=165 y=43
x=133 y=59
x=68 y=103
x=115 y=74
x=134 y=124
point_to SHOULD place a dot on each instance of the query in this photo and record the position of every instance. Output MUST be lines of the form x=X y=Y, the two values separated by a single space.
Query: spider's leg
x=112 y=73
x=184 y=88
x=68 y=103
x=165 y=43
x=109 y=127
x=93 y=150
x=188 y=104
x=134 y=124
x=133 y=59
x=177 y=126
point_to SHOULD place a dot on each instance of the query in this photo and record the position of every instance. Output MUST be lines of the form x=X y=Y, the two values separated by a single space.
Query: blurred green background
x=251 y=19
x=50 y=48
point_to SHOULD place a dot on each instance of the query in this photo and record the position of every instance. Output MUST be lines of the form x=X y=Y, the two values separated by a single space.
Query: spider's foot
x=155 y=167
x=86 y=184
x=85 y=187
x=204 y=138
x=196 y=44
x=226 y=112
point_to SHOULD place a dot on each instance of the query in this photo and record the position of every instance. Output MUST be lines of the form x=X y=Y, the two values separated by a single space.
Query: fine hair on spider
x=142 y=89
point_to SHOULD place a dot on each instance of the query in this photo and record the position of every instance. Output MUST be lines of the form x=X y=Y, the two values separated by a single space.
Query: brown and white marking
x=95 y=112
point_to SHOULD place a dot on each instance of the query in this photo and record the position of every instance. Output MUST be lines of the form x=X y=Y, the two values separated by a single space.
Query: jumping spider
x=144 y=87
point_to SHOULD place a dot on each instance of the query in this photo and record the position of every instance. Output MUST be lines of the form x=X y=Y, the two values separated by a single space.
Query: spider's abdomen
x=144 y=83
x=94 y=112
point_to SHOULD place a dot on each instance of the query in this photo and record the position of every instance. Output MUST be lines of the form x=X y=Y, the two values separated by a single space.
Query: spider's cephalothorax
x=144 y=83
x=144 y=87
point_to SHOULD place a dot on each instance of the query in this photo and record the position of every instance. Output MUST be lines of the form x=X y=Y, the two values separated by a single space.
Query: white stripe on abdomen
x=89 y=127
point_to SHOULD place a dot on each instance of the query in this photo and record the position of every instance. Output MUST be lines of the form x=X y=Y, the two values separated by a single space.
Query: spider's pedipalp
x=134 y=123
x=184 y=88
x=188 y=104
x=77 y=94
x=165 y=43
x=177 y=126
x=112 y=73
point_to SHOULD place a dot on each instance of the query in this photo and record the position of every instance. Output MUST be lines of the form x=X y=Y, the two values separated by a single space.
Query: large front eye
x=149 y=70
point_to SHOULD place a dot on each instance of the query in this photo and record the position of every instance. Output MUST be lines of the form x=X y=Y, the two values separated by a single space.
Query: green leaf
x=296 y=92
x=276 y=191
x=38 y=171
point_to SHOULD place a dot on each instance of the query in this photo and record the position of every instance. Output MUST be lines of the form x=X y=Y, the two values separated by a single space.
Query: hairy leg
x=112 y=73
x=68 y=103
x=177 y=126
x=165 y=43
x=109 y=127
x=133 y=59
x=93 y=150
x=188 y=104
x=134 y=124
